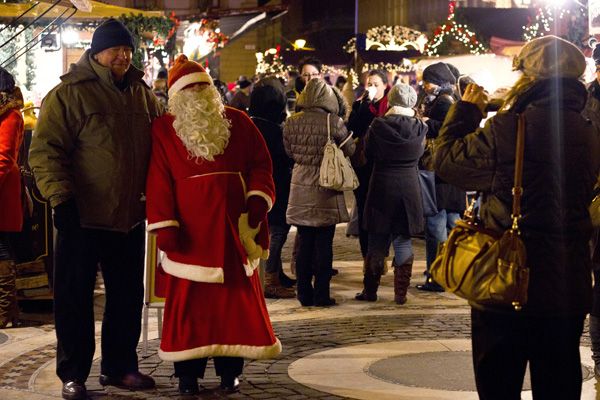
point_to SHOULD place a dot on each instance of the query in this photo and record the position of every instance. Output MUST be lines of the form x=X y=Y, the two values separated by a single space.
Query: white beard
x=200 y=121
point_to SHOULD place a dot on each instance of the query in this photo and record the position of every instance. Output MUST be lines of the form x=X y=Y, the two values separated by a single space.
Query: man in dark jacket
x=267 y=110
x=592 y=112
x=560 y=168
x=438 y=95
x=90 y=155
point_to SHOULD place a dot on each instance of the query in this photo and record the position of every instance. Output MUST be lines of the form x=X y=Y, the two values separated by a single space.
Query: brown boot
x=9 y=309
x=275 y=290
x=402 y=274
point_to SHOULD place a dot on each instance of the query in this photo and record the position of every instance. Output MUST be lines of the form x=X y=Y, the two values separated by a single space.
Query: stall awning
x=99 y=11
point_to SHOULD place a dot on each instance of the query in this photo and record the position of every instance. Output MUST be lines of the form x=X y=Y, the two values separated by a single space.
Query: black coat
x=448 y=197
x=282 y=168
x=394 y=203
x=561 y=163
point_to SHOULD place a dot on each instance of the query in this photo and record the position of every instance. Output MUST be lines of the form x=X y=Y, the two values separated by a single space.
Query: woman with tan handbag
x=560 y=165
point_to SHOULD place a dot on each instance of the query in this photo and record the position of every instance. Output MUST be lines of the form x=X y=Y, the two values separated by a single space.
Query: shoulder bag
x=336 y=172
x=484 y=266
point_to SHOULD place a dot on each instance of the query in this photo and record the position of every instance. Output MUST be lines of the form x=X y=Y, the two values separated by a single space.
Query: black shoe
x=334 y=271
x=326 y=303
x=230 y=385
x=132 y=381
x=74 y=390
x=286 y=281
x=188 y=385
x=430 y=286
x=363 y=296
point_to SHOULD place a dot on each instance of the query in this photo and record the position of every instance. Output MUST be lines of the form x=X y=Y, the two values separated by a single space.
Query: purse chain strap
x=517 y=190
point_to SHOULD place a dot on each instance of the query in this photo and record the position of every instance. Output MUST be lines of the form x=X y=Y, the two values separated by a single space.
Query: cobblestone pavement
x=27 y=355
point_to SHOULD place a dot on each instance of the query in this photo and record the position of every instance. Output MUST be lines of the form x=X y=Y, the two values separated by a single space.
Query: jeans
x=278 y=236
x=121 y=258
x=436 y=231
x=229 y=367
x=315 y=255
x=504 y=343
x=379 y=245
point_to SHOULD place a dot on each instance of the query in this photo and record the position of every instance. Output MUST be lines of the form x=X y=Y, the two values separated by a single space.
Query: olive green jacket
x=92 y=143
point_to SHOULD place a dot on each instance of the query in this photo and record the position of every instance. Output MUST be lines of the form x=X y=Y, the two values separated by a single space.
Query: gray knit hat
x=550 y=56
x=402 y=95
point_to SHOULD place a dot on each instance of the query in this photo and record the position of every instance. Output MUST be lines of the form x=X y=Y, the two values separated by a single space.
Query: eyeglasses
x=313 y=75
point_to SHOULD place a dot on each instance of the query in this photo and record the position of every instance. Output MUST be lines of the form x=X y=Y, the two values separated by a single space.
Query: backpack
x=336 y=172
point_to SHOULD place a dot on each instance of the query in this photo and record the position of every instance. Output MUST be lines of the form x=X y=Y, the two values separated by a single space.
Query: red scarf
x=380 y=108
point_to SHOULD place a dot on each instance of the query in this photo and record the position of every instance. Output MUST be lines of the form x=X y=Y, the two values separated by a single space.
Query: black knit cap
x=439 y=74
x=111 y=33
x=596 y=55
x=7 y=82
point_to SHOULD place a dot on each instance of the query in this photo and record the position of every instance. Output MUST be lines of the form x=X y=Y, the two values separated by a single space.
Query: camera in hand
x=494 y=105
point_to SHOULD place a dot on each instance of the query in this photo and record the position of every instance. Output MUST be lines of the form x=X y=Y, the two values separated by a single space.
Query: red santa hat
x=184 y=73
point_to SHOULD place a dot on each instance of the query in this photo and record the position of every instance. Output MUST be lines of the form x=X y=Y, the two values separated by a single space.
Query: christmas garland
x=454 y=30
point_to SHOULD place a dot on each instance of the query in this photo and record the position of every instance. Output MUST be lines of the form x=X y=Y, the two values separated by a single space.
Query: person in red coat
x=11 y=200
x=209 y=188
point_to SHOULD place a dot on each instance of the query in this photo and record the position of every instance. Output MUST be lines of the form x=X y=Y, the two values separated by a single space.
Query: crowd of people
x=221 y=187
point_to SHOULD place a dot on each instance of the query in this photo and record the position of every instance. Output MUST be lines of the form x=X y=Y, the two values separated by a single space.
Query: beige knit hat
x=550 y=56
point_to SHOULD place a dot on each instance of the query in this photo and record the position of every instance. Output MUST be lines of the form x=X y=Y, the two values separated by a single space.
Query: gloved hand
x=167 y=239
x=66 y=216
x=247 y=235
x=257 y=210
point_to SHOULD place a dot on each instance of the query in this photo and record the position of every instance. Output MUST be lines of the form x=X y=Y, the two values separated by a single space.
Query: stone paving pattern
x=303 y=331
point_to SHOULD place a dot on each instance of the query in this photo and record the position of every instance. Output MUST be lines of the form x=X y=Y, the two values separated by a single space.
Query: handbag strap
x=328 y=128
x=517 y=190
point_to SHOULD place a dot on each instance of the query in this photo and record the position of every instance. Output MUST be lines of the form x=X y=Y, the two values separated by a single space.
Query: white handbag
x=336 y=172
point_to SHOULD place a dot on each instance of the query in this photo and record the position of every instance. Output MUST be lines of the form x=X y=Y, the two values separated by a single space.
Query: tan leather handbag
x=485 y=266
x=336 y=171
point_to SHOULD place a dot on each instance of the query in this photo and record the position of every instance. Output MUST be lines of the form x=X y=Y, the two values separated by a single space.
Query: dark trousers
x=77 y=256
x=360 y=194
x=315 y=255
x=504 y=343
x=229 y=367
x=278 y=236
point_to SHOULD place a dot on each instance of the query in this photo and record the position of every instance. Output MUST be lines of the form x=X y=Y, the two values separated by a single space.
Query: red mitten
x=257 y=210
x=167 y=239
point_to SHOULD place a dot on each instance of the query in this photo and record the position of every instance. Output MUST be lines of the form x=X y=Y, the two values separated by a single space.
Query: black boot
x=286 y=281
x=188 y=385
x=230 y=384
x=371 y=279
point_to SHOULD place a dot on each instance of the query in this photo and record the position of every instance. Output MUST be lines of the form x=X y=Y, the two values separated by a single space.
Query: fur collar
x=397 y=110
x=9 y=101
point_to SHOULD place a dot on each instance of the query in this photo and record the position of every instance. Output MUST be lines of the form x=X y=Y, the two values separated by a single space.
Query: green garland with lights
x=545 y=16
x=163 y=30
x=452 y=29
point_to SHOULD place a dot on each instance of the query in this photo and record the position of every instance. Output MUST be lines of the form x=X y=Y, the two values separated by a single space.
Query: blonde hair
x=521 y=86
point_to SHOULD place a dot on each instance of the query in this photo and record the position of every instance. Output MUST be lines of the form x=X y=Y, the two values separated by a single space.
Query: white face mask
x=371 y=92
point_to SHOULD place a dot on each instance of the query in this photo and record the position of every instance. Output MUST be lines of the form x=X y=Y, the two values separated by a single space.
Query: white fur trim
x=162 y=224
x=196 y=273
x=397 y=110
x=195 y=77
x=251 y=265
x=261 y=194
x=223 y=350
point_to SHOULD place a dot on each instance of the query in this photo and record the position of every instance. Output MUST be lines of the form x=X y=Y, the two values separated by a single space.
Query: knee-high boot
x=9 y=309
x=372 y=276
x=402 y=274
x=595 y=340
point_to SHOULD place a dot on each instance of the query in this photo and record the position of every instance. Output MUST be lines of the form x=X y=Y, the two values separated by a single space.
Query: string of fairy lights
x=459 y=32
x=544 y=19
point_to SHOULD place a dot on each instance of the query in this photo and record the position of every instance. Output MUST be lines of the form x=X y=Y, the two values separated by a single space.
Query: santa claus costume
x=208 y=164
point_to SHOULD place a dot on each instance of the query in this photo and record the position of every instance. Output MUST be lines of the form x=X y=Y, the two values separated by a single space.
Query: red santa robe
x=214 y=300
